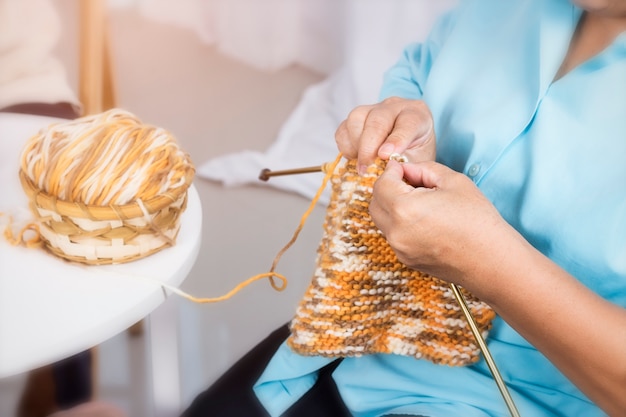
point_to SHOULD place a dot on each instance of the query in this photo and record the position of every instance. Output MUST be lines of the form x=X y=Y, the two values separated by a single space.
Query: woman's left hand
x=437 y=221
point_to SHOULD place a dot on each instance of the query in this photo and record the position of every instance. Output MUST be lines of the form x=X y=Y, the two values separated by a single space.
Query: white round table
x=51 y=309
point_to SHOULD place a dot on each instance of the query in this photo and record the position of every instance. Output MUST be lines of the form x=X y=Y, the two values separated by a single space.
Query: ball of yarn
x=109 y=158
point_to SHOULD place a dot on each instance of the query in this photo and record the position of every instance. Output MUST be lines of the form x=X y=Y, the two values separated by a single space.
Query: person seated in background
x=32 y=79
x=512 y=116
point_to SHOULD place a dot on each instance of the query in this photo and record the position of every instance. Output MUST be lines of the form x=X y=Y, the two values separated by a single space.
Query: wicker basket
x=144 y=221
x=107 y=234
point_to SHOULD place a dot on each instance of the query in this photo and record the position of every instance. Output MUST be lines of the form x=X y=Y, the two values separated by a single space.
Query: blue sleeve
x=408 y=76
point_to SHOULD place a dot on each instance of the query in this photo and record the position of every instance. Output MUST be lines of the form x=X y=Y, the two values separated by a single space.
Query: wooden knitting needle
x=267 y=173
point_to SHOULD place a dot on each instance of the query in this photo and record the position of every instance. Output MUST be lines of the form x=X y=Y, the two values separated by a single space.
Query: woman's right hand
x=393 y=126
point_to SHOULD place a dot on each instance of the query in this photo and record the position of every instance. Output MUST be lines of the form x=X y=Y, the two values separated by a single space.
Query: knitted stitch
x=363 y=300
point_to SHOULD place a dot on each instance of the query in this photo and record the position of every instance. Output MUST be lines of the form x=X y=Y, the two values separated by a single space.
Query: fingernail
x=386 y=150
x=362 y=169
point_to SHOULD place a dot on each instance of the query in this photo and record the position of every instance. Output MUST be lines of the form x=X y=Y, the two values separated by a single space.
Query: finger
x=428 y=174
x=346 y=146
x=349 y=132
x=356 y=120
x=379 y=214
x=377 y=127
x=413 y=130
x=387 y=188
x=391 y=182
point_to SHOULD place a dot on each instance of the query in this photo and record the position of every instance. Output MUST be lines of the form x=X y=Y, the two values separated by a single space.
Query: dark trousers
x=232 y=395
x=73 y=380
x=59 y=386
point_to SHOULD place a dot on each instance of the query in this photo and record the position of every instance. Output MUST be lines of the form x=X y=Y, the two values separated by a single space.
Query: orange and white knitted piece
x=363 y=300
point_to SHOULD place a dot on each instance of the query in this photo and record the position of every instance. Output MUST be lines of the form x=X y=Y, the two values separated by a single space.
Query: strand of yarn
x=21 y=239
x=329 y=169
x=150 y=222
x=228 y=295
x=105 y=159
x=35 y=242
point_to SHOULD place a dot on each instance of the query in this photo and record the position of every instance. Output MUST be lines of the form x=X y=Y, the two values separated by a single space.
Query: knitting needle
x=267 y=173
x=486 y=353
x=491 y=364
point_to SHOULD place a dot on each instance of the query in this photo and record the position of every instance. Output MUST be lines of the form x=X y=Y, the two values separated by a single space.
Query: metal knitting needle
x=491 y=364
x=486 y=353
x=267 y=173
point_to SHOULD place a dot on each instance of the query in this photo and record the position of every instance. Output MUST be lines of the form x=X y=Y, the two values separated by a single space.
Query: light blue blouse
x=550 y=155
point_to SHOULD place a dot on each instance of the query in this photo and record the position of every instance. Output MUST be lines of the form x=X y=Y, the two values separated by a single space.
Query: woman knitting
x=512 y=116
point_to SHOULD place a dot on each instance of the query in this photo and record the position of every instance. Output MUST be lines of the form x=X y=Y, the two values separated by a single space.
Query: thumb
x=391 y=181
x=428 y=174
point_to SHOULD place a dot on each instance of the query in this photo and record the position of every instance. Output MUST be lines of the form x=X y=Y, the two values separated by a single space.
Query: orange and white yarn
x=106 y=188
x=362 y=300
x=110 y=158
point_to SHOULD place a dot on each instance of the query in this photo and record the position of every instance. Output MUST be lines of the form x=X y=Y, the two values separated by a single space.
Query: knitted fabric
x=363 y=300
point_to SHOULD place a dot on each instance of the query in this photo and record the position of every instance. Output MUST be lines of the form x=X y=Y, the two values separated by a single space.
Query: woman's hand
x=441 y=224
x=438 y=221
x=395 y=125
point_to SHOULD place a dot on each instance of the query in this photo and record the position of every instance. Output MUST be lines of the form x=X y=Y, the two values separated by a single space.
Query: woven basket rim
x=111 y=212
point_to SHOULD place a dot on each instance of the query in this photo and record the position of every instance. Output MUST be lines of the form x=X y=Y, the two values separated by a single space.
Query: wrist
x=496 y=272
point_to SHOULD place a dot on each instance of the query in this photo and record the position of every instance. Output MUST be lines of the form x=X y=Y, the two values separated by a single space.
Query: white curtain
x=267 y=34
x=353 y=41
